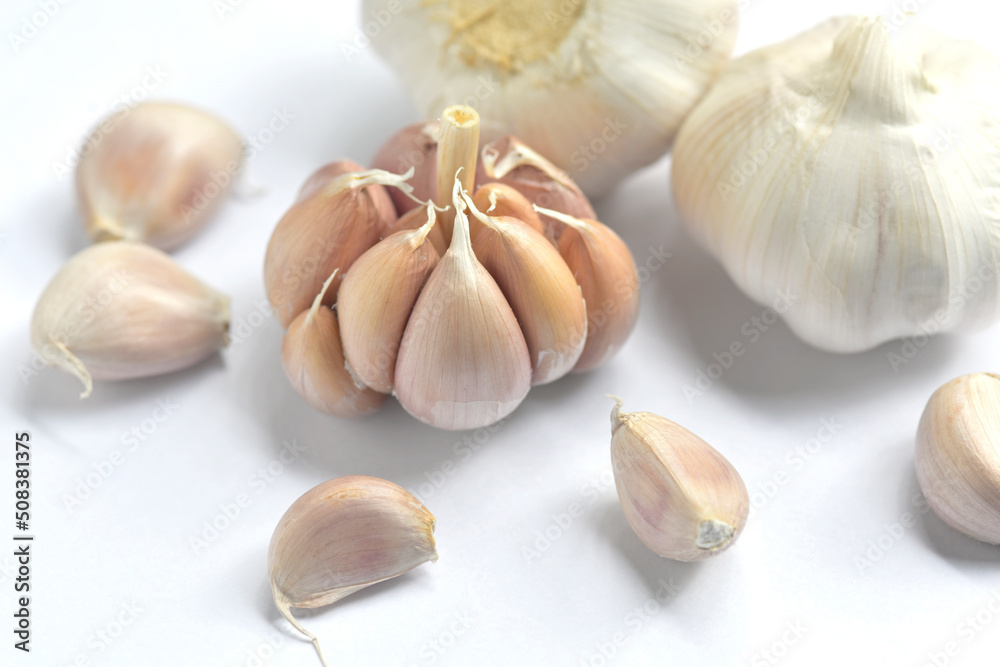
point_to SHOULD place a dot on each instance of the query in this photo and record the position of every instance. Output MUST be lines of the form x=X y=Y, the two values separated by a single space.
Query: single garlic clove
x=342 y=536
x=683 y=499
x=376 y=299
x=122 y=310
x=156 y=173
x=501 y=200
x=958 y=455
x=415 y=219
x=540 y=289
x=313 y=359
x=341 y=212
x=463 y=362
x=509 y=161
x=413 y=147
x=606 y=273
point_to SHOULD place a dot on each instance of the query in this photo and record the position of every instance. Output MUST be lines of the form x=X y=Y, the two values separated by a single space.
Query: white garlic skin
x=854 y=170
x=120 y=310
x=958 y=455
x=682 y=498
x=156 y=173
x=558 y=84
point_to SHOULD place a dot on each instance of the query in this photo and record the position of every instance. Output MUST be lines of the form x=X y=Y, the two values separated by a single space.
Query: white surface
x=130 y=541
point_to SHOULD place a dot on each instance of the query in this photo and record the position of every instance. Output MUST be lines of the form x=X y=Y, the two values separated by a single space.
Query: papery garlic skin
x=958 y=455
x=415 y=146
x=682 y=498
x=156 y=173
x=343 y=535
x=854 y=170
x=122 y=310
x=597 y=86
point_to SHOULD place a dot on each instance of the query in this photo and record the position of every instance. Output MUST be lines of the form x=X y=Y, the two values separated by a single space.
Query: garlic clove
x=376 y=299
x=341 y=536
x=156 y=173
x=682 y=498
x=413 y=147
x=417 y=218
x=313 y=359
x=340 y=213
x=463 y=362
x=540 y=289
x=509 y=161
x=501 y=200
x=122 y=310
x=958 y=455
x=606 y=273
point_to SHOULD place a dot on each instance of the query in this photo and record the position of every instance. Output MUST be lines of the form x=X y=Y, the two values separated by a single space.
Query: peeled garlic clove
x=413 y=147
x=508 y=160
x=500 y=200
x=342 y=536
x=415 y=219
x=540 y=289
x=313 y=359
x=122 y=310
x=606 y=273
x=463 y=362
x=855 y=170
x=376 y=299
x=958 y=455
x=340 y=213
x=156 y=173
x=683 y=499
x=599 y=87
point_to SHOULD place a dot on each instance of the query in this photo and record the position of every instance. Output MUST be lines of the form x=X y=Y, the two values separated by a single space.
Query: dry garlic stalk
x=597 y=86
x=342 y=536
x=958 y=455
x=122 y=310
x=682 y=498
x=156 y=173
x=857 y=170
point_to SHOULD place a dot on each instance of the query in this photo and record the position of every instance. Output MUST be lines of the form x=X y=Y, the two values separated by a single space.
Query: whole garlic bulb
x=597 y=86
x=857 y=172
x=958 y=455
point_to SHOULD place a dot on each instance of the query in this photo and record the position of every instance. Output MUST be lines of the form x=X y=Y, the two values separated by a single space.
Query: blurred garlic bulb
x=857 y=171
x=958 y=455
x=598 y=86
x=156 y=173
x=122 y=310
x=314 y=364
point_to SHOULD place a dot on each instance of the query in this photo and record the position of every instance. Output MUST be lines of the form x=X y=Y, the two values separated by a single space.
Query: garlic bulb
x=958 y=455
x=856 y=171
x=377 y=297
x=500 y=200
x=342 y=536
x=122 y=310
x=413 y=147
x=683 y=499
x=598 y=86
x=340 y=213
x=156 y=173
x=463 y=362
x=313 y=360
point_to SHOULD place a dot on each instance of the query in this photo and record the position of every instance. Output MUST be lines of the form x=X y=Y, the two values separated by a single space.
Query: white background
x=130 y=542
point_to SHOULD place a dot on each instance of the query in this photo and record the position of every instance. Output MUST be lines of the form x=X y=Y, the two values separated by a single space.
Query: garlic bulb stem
x=458 y=146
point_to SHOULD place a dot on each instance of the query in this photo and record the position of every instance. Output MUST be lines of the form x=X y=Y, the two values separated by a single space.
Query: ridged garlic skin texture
x=597 y=86
x=858 y=171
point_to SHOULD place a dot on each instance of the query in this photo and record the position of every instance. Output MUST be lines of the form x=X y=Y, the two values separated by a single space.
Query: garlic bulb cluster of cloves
x=459 y=305
x=597 y=86
x=682 y=498
x=341 y=536
x=958 y=455
x=856 y=170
